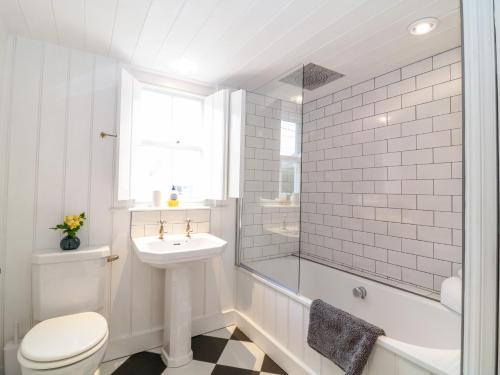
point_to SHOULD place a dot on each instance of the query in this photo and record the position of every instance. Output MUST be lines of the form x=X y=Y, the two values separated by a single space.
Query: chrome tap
x=162 y=230
x=189 y=230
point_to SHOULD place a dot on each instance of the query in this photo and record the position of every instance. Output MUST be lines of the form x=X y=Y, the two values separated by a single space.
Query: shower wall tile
x=382 y=174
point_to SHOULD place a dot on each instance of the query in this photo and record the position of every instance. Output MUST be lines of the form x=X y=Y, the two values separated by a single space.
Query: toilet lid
x=63 y=337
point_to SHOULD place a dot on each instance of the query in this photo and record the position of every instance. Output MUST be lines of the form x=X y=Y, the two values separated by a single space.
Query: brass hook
x=104 y=135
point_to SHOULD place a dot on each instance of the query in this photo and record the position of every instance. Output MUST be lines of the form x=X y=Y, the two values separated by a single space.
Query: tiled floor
x=226 y=351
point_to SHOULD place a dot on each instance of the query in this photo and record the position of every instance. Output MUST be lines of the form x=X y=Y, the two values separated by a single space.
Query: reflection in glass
x=270 y=207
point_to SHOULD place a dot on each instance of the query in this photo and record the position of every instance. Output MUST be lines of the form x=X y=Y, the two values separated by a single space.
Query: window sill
x=166 y=208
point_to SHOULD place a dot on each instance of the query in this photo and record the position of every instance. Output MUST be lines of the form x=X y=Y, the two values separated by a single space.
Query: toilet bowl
x=70 y=344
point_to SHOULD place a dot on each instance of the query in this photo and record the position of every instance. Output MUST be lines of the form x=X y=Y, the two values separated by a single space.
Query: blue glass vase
x=70 y=243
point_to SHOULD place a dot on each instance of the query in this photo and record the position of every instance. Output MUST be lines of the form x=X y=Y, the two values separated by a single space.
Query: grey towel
x=341 y=337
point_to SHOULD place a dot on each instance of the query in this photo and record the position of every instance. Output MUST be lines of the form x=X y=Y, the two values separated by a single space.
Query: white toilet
x=68 y=291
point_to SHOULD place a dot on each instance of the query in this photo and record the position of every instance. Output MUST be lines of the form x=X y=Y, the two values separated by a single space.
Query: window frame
x=172 y=93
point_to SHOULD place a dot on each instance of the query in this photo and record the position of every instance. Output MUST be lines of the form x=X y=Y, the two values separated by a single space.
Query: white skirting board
x=128 y=345
x=281 y=355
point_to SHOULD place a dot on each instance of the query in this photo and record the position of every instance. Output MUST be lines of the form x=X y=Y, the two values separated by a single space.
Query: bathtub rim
x=437 y=361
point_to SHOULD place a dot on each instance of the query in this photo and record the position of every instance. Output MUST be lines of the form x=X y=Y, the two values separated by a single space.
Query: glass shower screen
x=269 y=238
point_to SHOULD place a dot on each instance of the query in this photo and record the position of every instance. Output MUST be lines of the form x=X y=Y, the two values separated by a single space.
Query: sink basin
x=175 y=253
x=175 y=249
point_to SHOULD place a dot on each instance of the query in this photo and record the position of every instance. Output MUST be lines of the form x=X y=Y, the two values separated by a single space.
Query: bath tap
x=189 y=230
x=359 y=292
x=161 y=232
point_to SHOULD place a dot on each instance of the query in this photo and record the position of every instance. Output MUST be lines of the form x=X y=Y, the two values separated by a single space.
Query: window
x=167 y=146
x=289 y=158
x=168 y=137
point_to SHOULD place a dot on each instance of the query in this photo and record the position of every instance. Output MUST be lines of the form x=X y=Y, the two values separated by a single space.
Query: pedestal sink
x=175 y=253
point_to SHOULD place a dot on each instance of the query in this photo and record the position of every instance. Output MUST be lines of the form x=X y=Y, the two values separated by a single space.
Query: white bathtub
x=422 y=335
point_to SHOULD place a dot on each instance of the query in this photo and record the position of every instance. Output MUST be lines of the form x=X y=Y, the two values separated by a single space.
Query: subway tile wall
x=270 y=227
x=382 y=174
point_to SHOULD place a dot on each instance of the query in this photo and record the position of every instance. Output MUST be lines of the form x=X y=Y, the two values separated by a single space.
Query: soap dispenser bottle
x=174 y=198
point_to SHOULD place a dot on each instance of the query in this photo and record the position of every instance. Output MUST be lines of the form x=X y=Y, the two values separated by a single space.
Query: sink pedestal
x=176 y=350
x=175 y=253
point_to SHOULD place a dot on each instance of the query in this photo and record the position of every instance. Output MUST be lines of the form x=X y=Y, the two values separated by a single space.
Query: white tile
x=402 y=144
x=416 y=127
x=419 y=278
x=456 y=70
x=388 y=187
x=352 y=102
x=402 y=173
x=417 y=186
x=448 y=252
x=416 y=68
x=322 y=102
x=377 y=147
x=417 y=247
x=434 y=77
x=242 y=354
x=193 y=367
x=417 y=157
x=433 y=171
x=434 y=202
x=388 y=242
x=333 y=108
x=435 y=139
x=447 y=58
x=388 y=78
x=363 y=87
x=402 y=259
x=343 y=94
x=448 y=154
x=374 y=122
x=387 y=132
x=434 y=266
x=375 y=95
x=448 y=121
x=401 y=115
x=363 y=111
x=401 y=87
x=341 y=117
x=435 y=108
x=402 y=201
x=388 y=214
x=434 y=234
x=417 y=217
x=456 y=103
x=446 y=89
x=417 y=97
x=388 y=105
x=448 y=187
x=388 y=159
x=448 y=220
x=402 y=230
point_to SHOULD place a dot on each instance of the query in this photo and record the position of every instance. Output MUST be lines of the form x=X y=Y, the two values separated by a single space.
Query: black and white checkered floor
x=227 y=351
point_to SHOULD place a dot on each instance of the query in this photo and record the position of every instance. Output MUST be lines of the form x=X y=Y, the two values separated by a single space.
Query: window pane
x=288 y=138
x=167 y=146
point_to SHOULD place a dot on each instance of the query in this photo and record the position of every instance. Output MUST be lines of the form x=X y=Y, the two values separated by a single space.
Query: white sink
x=175 y=249
x=175 y=253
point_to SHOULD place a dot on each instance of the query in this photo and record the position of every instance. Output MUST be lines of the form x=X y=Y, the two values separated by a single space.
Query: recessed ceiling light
x=423 y=26
x=297 y=99
x=184 y=67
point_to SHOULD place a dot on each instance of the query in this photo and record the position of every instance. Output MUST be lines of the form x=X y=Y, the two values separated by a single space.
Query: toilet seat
x=63 y=341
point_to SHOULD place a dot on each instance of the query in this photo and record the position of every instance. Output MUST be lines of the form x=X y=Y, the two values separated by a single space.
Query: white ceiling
x=243 y=43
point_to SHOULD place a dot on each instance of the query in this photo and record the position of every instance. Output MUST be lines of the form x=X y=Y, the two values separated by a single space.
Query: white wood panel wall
x=61 y=99
x=285 y=320
x=4 y=63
